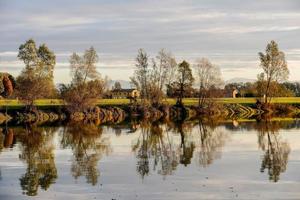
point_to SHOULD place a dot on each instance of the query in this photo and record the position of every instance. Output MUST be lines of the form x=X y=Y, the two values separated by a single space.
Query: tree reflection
x=88 y=148
x=154 y=145
x=37 y=151
x=1 y=147
x=211 y=144
x=1 y=140
x=7 y=140
x=187 y=145
x=276 y=151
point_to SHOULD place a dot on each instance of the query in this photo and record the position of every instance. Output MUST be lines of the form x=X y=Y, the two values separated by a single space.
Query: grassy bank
x=187 y=101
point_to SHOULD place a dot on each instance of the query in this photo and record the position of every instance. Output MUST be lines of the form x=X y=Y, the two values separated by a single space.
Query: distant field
x=187 y=101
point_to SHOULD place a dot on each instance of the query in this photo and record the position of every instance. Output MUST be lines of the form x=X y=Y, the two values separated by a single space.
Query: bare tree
x=84 y=68
x=151 y=79
x=87 y=85
x=274 y=66
x=140 y=77
x=165 y=68
x=172 y=68
x=208 y=76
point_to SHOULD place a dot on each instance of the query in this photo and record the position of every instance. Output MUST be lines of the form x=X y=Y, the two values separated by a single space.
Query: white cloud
x=9 y=53
x=246 y=29
x=52 y=21
x=269 y=15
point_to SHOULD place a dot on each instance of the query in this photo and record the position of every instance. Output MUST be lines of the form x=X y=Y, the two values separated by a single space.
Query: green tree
x=185 y=79
x=274 y=66
x=275 y=89
x=294 y=87
x=36 y=80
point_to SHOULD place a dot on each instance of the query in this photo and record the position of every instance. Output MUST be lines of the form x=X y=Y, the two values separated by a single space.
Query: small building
x=125 y=94
x=235 y=93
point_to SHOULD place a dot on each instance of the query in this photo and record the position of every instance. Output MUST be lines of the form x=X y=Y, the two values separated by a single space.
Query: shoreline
x=169 y=101
x=42 y=114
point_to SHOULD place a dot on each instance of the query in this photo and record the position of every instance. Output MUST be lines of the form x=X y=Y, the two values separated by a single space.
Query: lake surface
x=151 y=160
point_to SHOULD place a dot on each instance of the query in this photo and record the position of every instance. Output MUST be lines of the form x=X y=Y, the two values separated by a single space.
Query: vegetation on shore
x=164 y=86
x=170 y=101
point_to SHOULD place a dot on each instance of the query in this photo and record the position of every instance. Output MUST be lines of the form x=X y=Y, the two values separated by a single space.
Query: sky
x=228 y=32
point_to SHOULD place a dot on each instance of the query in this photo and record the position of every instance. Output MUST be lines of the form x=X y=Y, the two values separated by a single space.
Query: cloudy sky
x=228 y=32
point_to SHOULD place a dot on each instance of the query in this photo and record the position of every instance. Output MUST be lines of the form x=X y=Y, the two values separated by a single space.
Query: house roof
x=123 y=90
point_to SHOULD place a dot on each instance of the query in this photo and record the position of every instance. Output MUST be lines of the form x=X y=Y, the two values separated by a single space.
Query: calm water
x=190 y=160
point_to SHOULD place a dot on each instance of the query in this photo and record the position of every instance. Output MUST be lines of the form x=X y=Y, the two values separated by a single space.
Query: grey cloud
x=234 y=29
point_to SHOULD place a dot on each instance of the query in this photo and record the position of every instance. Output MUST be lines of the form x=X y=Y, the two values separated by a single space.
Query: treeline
x=164 y=77
x=244 y=89
x=36 y=79
x=248 y=89
x=156 y=78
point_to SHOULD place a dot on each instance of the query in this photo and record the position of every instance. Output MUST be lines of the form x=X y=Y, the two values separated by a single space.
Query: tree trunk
x=267 y=91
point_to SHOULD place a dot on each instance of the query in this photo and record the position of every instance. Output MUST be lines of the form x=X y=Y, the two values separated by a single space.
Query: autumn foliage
x=8 y=86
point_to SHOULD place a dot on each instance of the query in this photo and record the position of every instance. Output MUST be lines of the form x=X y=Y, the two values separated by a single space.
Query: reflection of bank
x=276 y=151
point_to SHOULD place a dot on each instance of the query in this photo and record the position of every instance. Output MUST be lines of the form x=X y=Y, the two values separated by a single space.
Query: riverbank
x=113 y=113
x=169 y=101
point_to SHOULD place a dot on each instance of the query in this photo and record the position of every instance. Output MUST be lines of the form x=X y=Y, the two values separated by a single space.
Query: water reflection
x=212 y=141
x=187 y=145
x=37 y=152
x=158 y=147
x=276 y=151
x=88 y=148
x=1 y=147
x=153 y=144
